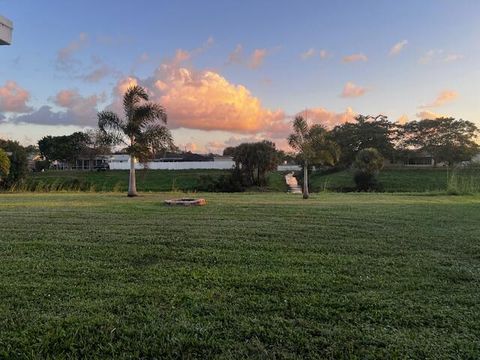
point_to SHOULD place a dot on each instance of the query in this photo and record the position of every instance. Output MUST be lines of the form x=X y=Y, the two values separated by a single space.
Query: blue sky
x=72 y=58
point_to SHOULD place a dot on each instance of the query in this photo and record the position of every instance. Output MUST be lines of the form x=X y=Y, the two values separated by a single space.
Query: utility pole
x=6 y=29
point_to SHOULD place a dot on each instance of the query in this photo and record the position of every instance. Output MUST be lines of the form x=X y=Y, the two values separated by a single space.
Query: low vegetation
x=147 y=181
x=460 y=180
x=248 y=276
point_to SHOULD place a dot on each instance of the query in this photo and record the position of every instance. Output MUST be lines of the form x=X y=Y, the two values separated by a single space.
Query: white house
x=6 y=29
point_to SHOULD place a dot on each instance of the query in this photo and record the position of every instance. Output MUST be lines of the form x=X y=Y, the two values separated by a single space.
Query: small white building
x=6 y=29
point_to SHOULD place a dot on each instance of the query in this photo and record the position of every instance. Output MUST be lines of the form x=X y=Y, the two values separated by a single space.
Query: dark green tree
x=66 y=148
x=4 y=165
x=366 y=132
x=255 y=160
x=18 y=162
x=445 y=139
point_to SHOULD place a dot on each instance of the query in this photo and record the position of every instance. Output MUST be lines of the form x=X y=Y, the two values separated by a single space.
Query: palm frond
x=108 y=120
x=155 y=138
x=148 y=113
x=134 y=95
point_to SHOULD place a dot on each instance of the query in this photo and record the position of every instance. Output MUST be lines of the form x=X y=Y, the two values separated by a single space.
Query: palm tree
x=313 y=147
x=142 y=129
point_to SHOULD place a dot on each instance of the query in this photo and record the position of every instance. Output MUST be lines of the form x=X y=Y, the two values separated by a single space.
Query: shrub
x=231 y=182
x=368 y=164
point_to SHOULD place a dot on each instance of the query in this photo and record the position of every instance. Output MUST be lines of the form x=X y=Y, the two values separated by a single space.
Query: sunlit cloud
x=14 y=98
x=398 y=47
x=201 y=99
x=403 y=119
x=428 y=115
x=444 y=97
x=327 y=118
x=355 y=58
x=350 y=90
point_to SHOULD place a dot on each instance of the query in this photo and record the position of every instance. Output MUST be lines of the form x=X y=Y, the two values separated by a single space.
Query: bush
x=231 y=182
x=366 y=182
x=368 y=164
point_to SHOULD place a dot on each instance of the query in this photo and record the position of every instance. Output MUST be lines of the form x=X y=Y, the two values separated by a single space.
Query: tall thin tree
x=313 y=147
x=142 y=129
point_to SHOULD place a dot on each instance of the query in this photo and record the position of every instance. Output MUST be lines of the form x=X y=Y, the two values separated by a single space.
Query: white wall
x=289 y=168
x=184 y=165
x=5 y=31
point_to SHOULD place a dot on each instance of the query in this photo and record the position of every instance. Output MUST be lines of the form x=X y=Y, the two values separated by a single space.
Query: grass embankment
x=249 y=275
x=147 y=180
x=406 y=180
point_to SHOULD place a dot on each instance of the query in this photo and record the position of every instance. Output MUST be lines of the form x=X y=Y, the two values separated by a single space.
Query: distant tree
x=228 y=151
x=65 y=148
x=368 y=164
x=18 y=162
x=366 y=132
x=96 y=144
x=4 y=165
x=445 y=139
x=142 y=129
x=313 y=147
x=255 y=160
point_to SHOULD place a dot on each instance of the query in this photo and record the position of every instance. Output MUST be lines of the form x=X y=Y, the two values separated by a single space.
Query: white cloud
x=398 y=47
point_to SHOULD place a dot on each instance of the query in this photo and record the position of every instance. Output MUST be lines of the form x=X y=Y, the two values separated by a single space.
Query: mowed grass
x=404 y=180
x=370 y=276
x=147 y=180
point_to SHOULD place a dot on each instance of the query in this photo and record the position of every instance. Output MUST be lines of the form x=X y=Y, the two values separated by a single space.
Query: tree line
x=363 y=143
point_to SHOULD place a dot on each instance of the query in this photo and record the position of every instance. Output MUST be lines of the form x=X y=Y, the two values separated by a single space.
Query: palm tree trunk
x=305 y=181
x=132 y=183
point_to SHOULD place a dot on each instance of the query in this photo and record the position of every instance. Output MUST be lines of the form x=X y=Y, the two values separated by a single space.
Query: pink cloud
x=445 y=97
x=355 y=58
x=257 y=58
x=428 y=115
x=327 y=118
x=13 y=98
x=351 y=90
x=254 y=61
x=403 y=119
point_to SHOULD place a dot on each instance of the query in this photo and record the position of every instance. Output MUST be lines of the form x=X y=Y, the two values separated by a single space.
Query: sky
x=237 y=71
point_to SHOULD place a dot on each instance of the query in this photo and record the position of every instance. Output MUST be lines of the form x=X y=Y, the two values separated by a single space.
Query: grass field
x=405 y=180
x=371 y=276
x=147 y=180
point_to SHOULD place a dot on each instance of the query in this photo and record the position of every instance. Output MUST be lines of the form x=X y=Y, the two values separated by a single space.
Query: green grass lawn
x=403 y=180
x=147 y=180
x=366 y=276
